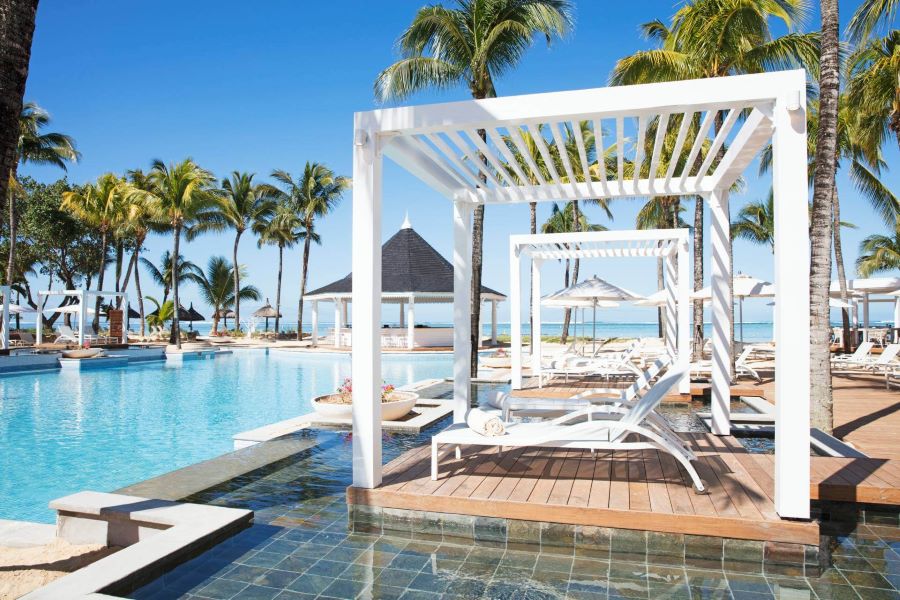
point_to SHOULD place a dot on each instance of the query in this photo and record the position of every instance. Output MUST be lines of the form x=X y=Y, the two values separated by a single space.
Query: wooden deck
x=631 y=490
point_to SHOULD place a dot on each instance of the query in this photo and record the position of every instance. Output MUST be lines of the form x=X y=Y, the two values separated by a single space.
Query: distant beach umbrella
x=72 y=309
x=225 y=314
x=266 y=312
x=595 y=291
x=744 y=286
x=555 y=301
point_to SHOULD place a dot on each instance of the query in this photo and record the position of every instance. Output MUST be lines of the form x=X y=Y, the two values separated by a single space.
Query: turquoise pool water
x=63 y=432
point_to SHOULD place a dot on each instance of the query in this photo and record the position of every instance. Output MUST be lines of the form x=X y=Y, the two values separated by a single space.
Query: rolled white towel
x=484 y=423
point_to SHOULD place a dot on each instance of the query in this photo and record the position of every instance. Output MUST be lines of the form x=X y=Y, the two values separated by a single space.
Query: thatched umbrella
x=225 y=314
x=266 y=312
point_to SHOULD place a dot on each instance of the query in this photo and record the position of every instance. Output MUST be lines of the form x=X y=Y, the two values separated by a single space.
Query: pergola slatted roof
x=442 y=143
x=658 y=243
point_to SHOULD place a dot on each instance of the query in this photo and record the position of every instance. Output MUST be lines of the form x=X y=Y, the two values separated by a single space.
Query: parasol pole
x=594 y=330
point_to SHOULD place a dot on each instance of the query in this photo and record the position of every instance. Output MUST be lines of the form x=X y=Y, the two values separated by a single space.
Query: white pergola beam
x=422 y=161
x=720 y=93
x=754 y=134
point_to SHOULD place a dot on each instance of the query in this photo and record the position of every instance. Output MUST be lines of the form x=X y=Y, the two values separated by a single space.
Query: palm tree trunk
x=532 y=209
x=698 y=277
x=215 y=325
x=131 y=265
x=137 y=288
x=820 y=229
x=839 y=259
x=237 y=282
x=303 y=268
x=477 y=256
x=567 y=315
x=103 y=248
x=120 y=256
x=175 y=334
x=16 y=32
x=278 y=290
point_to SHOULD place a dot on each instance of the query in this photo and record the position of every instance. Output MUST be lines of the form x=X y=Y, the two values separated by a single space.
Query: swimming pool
x=61 y=432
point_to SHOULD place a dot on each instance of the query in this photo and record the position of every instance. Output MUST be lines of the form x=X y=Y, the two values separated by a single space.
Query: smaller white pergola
x=83 y=296
x=406 y=303
x=867 y=291
x=671 y=245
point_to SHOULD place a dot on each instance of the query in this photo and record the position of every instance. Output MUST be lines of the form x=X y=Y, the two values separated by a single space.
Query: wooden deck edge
x=856 y=494
x=726 y=527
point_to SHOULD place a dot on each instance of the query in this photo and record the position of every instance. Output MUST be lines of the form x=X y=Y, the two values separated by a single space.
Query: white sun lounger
x=604 y=366
x=621 y=424
x=741 y=367
x=533 y=407
x=860 y=355
x=881 y=363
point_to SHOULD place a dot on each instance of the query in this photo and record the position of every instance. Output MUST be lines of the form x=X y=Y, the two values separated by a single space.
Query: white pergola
x=671 y=245
x=442 y=144
x=83 y=296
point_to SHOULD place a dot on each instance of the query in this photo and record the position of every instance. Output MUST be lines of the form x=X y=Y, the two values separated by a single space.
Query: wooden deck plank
x=541 y=492
x=562 y=489
x=679 y=494
x=498 y=475
x=536 y=469
x=638 y=490
x=580 y=493
x=656 y=483
x=600 y=486
x=619 y=495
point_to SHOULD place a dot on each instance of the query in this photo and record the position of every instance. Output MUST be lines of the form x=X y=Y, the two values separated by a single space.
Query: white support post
x=791 y=306
x=515 y=317
x=536 y=349
x=82 y=315
x=462 y=296
x=314 y=337
x=721 y=313
x=411 y=323
x=494 y=321
x=671 y=324
x=5 y=341
x=896 y=315
x=866 y=317
x=366 y=339
x=345 y=318
x=39 y=327
x=338 y=323
x=684 y=315
x=401 y=314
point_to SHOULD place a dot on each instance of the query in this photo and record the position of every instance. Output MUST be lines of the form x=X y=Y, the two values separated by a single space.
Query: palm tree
x=717 y=38
x=16 y=32
x=869 y=16
x=163 y=313
x=282 y=228
x=470 y=44
x=179 y=196
x=756 y=222
x=873 y=88
x=821 y=219
x=879 y=253
x=240 y=204
x=313 y=195
x=100 y=206
x=35 y=147
x=162 y=274
x=216 y=289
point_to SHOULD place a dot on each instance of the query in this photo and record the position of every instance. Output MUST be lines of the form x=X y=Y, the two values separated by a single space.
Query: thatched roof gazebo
x=412 y=272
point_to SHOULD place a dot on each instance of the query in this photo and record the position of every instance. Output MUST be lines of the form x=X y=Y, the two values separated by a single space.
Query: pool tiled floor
x=299 y=548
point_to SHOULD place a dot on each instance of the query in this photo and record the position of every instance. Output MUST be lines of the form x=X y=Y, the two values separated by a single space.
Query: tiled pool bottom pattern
x=299 y=548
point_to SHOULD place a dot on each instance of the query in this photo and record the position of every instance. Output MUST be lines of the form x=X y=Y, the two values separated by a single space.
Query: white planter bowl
x=399 y=406
x=83 y=353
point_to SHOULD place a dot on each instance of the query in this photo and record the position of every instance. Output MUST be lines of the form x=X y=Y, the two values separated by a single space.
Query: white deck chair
x=66 y=334
x=535 y=407
x=741 y=367
x=859 y=356
x=881 y=363
x=620 y=363
x=613 y=433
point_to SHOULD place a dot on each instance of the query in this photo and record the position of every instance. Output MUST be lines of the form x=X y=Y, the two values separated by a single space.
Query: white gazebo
x=466 y=152
x=671 y=245
x=869 y=290
x=83 y=310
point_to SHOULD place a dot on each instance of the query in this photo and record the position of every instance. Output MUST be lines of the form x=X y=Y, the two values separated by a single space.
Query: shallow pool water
x=62 y=432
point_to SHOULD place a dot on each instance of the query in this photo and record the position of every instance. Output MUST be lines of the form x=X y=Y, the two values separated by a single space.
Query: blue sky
x=258 y=86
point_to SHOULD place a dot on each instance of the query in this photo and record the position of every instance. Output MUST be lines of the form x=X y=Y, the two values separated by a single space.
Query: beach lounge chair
x=626 y=427
x=536 y=407
x=615 y=364
x=881 y=363
x=859 y=356
x=66 y=334
x=741 y=368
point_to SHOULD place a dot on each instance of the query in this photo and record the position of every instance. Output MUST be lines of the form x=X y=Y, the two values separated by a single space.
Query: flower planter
x=83 y=353
x=397 y=406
